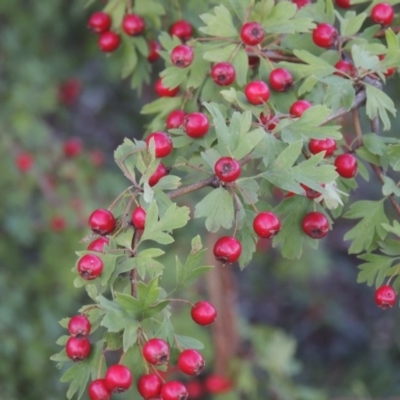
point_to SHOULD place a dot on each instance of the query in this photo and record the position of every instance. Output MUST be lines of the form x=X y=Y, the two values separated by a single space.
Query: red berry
x=101 y=221
x=195 y=389
x=382 y=13
x=311 y=193
x=174 y=390
x=301 y=3
x=227 y=249
x=346 y=165
x=203 y=313
x=24 y=162
x=90 y=267
x=317 y=145
x=223 y=74
x=79 y=326
x=139 y=218
x=58 y=223
x=280 y=79
x=227 y=169
x=257 y=92
x=163 y=143
x=98 y=390
x=298 y=107
x=385 y=297
x=154 y=48
x=196 y=125
x=98 y=244
x=182 y=29
x=164 y=91
x=133 y=24
x=191 y=362
x=252 y=33
x=69 y=91
x=266 y=224
x=217 y=384
x=270 y=121
x=175 y=119
x=73 y=147
x=78 y=349
x=159 y=173
x=315 y=225
x=99 y=22
x=149 y=386
x=343 y=3
x=389 y=71
x=118 y=378
x=156 y=351
x=109 y=41
x=346 y=68
x=182 y=56
x=325 y=35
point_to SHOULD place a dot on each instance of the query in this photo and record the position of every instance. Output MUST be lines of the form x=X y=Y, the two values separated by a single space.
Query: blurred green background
x=308 y=331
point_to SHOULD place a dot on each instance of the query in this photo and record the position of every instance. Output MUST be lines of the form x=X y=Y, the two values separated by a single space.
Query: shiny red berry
x=182 y=29
x=385 y=297
x=315 y=225
x=217 y=384
x=102 y=221
x=139 y=218
x=73 y=147
x=175 y=119
x=257 y=92
x=99 y=22
x=301 y=3
x=118 y=378
x=191 y=362
x=325 y=35
x=382 y=13
x=78 y=349
x=98 y=244
x=346 y=165
x=149 y=386
x=346 y=68
x=90 y=267
x=196 y=125
x=182 y=56
x=164 y=91
x=133 y=24
x=109 y=42
x=252 y=33
x=311 y=193
x=298 y=107
x=156 y=351
x=24 y=162
x=389 y=71
x=163 y=143
x=174 y=390
x=317 y=145
x=203 y=313
x=343 y=3
x=266 y=224
x=227 y=249
x=159 y=173
x=280 y=80
x=79 y=326
x=98 y=390
x=227 y=169
x=154 y=48
x=223 y=74
x=270 y=121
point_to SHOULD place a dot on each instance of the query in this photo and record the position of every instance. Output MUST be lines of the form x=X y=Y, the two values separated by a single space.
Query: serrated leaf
x=220 y=54
x=390 y=187
x=394 y=156
x=394 y=228
x=187 y=342
x=241 y=64
x=173 y=76
x=374 y=270
x=129 y=336
x=219 y=24
x=351 y=23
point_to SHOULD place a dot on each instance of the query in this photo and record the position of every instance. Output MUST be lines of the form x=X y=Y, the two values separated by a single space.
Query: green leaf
x=219 y=24
x=394 y=156
x=339 y=93
x=166 y=331
x=130 y=58
x=133 y=359
x=395 y=228
x=173 y=76
x=220 y=53
x=390 y=187
x=241 y=65
x=129 y=337
x=351 y=23
x=162 y=106
x=187 y=342
x=374 y=270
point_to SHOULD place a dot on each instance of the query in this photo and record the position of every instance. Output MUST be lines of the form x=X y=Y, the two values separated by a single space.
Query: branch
x=133 y=274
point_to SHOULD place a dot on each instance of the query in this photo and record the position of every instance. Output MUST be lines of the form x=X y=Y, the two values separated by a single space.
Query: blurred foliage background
x=308 y=331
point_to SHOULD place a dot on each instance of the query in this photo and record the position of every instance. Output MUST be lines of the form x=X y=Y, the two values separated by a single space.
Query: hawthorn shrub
x=250 y=104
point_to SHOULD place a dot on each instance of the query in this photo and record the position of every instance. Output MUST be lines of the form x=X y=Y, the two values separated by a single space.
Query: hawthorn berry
x=175 y=119
x=196 y=125
x=346 y=68
x=98 y=244
x=174 y=390
x=252 y=33
x=109 y=41
x=164 y=91
x=325 y=35
x=73 y=147
x=98 y=390
x=195 y=389
x=58 y=223
x=154 y=48
x=266 y=224
x=99 y=22
x=227 y=169
x=270 y=121
x=149 y=386
x=156 y=351
x=78 y=349
x=223 y=73
x=138 y=218
x=159 y=173
x=317 y=145
x=343 y=3
x=24 y=161
x=227 y=249
x=346 y=165
x=257 y=92
x=79 y=326
x=301 y=3
x=69 y=91
x=191 y=362
x=217 y=384
x=102 y=221
x=389 y=71
x=133 y=24
x=182 y=56
x=203 y=313
x=298 y=107
x=382 y=13
x=385 y=297
x=162 y=142
x=315 y=224
x=90 y=267
x=118 y=378
x=280 y=80
x=311 y=193
x=182 y=29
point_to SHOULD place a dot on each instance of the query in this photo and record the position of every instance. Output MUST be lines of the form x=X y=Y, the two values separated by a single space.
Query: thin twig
x=133 y=274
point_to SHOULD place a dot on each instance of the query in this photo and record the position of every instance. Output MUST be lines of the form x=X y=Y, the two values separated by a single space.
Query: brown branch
x=382 y=32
